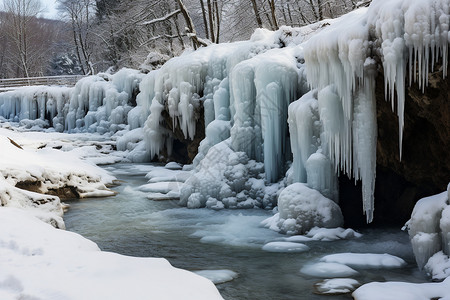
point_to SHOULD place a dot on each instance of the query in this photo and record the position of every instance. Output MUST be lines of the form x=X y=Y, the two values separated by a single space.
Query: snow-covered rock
x=365 y=260
x=429 y=231
x=302 y=208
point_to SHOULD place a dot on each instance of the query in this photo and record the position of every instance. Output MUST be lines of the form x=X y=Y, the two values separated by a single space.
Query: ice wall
x=407 y=39
x=35 y=103
x=98 y=103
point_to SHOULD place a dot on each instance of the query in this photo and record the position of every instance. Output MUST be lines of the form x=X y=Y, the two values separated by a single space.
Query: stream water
x=203 y=239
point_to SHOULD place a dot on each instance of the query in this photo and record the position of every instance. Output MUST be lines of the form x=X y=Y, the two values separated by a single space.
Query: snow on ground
x=51 y=169
x=40 y=262
x=30 y=161
x=403 y=290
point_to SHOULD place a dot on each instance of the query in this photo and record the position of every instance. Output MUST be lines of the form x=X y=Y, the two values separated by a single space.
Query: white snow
x=336 y=286
x=341 y=63
x=331 y=234
x=41 y=262
x=328 y=270
x=403 y=290
x=54 y=169
x=161 y=187
x=302 y=208
x=285 y=247
x=218 y=276
x=365 y=260
x=429 y=231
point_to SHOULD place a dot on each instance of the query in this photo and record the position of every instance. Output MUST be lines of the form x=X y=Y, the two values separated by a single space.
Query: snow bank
x=41 y=262
x=302 y=208
x=403 y=290
x=51 y=169
x=429 y=231
x=29 y=174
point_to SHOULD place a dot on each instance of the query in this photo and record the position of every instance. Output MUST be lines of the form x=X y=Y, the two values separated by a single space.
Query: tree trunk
x=211 y=20
x=258 y=17
x=190 y=26
x=205 y=22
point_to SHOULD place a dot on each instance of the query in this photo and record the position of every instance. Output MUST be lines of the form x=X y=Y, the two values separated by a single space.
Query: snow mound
x=71 y=261
x=336 y=286
x=328 y=270
x=365 y=260
x=429 y=231
x=302 y=208
x=218 y=276
x=173 y=166
x=285 y=247
x=161 y=187
x=331 y=234
x=403 y=290
x=438 y=266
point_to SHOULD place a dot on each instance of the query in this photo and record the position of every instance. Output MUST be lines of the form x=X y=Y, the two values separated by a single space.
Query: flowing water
x=203 y=239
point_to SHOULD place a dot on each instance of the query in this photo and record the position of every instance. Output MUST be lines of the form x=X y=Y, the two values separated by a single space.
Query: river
x=203 y=239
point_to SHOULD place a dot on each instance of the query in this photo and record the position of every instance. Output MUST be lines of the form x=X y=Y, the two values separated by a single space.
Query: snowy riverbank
x=41 y=262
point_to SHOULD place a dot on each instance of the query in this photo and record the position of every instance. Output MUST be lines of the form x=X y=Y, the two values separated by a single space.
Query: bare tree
x=18 y=22
x=80 y=13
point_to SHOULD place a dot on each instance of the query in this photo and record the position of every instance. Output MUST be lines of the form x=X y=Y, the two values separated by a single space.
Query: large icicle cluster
x=97 y=103
x=341 y=63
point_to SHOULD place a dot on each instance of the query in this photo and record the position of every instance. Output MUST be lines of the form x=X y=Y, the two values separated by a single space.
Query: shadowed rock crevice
x=424 y=169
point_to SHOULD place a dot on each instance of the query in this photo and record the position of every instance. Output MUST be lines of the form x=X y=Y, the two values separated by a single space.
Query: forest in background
x=95 y=36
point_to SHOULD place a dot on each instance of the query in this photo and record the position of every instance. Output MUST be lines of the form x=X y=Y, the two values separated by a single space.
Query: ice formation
x=248 y=90
x=341 y=62
x=98 y=103
x=429 y=231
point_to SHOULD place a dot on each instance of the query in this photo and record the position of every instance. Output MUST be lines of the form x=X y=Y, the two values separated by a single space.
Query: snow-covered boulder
x=302 y=208
x=429 y=230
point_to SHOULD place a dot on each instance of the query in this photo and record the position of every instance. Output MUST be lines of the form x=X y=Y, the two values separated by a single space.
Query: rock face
x=184 y=149
x=424 y=168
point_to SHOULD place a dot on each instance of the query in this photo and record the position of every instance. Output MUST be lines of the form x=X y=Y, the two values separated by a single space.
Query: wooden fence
x=12 y=83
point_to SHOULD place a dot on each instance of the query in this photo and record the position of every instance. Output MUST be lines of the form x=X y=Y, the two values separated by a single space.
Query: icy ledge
x=75 y=268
